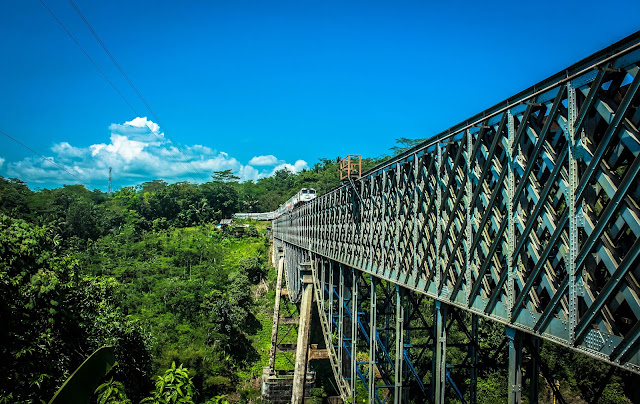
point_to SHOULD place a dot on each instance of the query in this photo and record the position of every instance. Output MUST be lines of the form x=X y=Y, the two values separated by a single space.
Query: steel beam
x=439 y=373
x=373 y=332
x=514 y=379
x=510 y=202
x=534 y=369
x=399 y=351
x=473 y=377
x=354 y=332
x=572 y=107
x=341 y=293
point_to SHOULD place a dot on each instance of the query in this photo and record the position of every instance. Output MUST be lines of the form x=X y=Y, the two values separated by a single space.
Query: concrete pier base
x=277 y=387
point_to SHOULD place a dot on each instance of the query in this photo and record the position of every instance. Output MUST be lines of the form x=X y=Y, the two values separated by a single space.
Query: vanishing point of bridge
x=527 y=215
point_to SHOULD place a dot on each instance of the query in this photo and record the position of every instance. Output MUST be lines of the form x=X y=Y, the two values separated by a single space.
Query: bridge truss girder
x=527 y=214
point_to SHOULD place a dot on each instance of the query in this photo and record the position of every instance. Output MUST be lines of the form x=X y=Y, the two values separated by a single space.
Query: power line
x=111 y=83
x=89 y=57
x=45 y=158
x=124 y=74
x=113 y=59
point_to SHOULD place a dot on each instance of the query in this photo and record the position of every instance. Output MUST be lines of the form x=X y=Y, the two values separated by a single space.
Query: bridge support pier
x=300 y=372
x=517 y=340
x=473 y=377
x=279 y=263
x=340 y=320
x=439 y=373
x=514 y=382
x=277 y=381
x=534 y=370
x=373 y=331
x=354 y=333
x=399 y=352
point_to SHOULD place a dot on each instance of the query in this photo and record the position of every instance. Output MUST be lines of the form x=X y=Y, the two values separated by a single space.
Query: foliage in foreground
x=53 y=318
x=175 y=386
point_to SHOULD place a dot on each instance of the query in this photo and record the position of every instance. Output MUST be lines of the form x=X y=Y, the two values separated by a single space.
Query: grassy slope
x=180 y=266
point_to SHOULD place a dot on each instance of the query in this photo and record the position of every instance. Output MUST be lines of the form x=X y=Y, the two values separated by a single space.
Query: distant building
x=226 y=222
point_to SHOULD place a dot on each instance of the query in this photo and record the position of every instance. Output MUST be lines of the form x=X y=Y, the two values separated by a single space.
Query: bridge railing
x=528 y=213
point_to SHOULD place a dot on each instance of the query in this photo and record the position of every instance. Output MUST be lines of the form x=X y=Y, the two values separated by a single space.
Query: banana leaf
x=79 y=387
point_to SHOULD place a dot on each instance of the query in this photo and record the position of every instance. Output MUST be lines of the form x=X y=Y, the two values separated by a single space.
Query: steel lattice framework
x=527 y=213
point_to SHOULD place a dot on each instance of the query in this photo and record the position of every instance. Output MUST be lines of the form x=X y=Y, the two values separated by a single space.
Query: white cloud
x=298 y=166
x=138 y=152
x=65 y=150
x=140 y=129
x=249 y=173
x=269 y=160
x=143 y=123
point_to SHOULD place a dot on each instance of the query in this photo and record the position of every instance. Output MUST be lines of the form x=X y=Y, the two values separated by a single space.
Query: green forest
x=187 y=306
x=146 y=270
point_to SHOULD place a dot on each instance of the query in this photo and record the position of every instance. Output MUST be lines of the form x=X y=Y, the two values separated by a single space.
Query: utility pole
x=109 y=192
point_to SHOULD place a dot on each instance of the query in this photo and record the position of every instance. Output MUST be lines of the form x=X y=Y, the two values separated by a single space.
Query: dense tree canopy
x=53 y=317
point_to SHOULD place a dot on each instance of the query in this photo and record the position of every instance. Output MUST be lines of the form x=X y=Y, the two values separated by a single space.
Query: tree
x=403 y=144
x=52 y=318
x=82 y=220
x=221 y=196
x=224 y=176
x=14 y=197
x=154 y=186
x=252 y=267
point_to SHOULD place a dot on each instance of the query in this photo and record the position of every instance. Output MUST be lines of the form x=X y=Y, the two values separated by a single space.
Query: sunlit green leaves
x=111 y=392
x=174 y=386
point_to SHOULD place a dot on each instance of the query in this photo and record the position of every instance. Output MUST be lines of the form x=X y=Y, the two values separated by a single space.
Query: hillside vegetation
x=187 y=305
x=146 y=270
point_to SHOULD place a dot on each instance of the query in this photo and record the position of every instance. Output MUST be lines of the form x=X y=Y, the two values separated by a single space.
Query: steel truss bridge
x=526 y=215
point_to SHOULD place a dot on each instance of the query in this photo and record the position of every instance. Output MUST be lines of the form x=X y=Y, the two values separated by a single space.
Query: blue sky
x=258 y=85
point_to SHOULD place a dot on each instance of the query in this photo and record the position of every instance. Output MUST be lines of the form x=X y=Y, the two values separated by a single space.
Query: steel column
x=439 y=373
x=469 y=263
x=514 y=381
x=570 y=261
x=473 y=379
x=300 y=373
x=415 y=258
x=331 y=293
x=341 y=291
x=511 y=232
x=354 y=331
x=399 y=359
x=534 y=370
x=439 y=224
x=373 y=332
